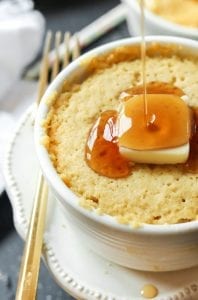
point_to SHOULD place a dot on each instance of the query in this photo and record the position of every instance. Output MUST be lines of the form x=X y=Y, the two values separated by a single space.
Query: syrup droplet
x=149 y=291
x=151 y=123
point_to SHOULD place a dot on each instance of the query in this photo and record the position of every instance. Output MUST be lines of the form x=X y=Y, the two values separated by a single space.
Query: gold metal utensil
x=29 y=269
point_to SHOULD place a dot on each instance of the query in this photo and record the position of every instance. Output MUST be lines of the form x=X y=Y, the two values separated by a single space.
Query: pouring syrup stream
x=143 y=59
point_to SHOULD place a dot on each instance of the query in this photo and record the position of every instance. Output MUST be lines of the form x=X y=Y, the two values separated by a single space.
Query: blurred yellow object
x=183 y=12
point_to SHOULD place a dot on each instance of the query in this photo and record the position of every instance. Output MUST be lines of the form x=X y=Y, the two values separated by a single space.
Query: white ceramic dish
x=150 y=247
x=154 y=24
x=75 y=268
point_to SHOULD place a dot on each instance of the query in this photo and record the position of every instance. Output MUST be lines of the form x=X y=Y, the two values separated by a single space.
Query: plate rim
x=63 y=279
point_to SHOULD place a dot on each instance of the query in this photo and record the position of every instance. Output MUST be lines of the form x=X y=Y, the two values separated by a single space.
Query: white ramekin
x=150 y=247
x=154 y=24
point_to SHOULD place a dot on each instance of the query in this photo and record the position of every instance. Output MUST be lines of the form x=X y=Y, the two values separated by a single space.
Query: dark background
x=65 y=15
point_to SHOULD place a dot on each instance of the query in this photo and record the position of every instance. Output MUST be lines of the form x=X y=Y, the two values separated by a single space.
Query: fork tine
x=76 y=47
x=55 y=66
x=67 y=36
x=44 y=67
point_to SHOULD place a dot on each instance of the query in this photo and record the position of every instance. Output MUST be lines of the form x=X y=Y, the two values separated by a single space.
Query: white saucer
x=77 y=269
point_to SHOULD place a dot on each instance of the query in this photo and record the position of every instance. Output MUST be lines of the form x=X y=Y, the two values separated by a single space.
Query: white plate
x=77 y=269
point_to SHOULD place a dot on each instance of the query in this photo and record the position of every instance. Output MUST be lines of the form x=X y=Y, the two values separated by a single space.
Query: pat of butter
x=163 y=156
x=167 y=142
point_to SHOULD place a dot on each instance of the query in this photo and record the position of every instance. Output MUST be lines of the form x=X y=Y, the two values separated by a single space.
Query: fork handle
x=28 y=274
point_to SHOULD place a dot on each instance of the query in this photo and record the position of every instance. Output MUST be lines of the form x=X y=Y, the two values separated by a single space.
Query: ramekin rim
x=46 y=165
x=171 y=26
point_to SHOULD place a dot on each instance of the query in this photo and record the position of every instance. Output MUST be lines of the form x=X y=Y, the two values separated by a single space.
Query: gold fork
x=30 y=264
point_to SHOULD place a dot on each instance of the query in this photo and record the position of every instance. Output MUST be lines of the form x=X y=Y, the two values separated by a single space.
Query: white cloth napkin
x=21 y=33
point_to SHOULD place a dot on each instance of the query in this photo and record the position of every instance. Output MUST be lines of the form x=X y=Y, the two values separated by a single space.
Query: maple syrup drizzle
x=102 y=152
x=153 y=87
x=143 y=60
x=192 y=163
x=134 y=135
x=158 y=135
